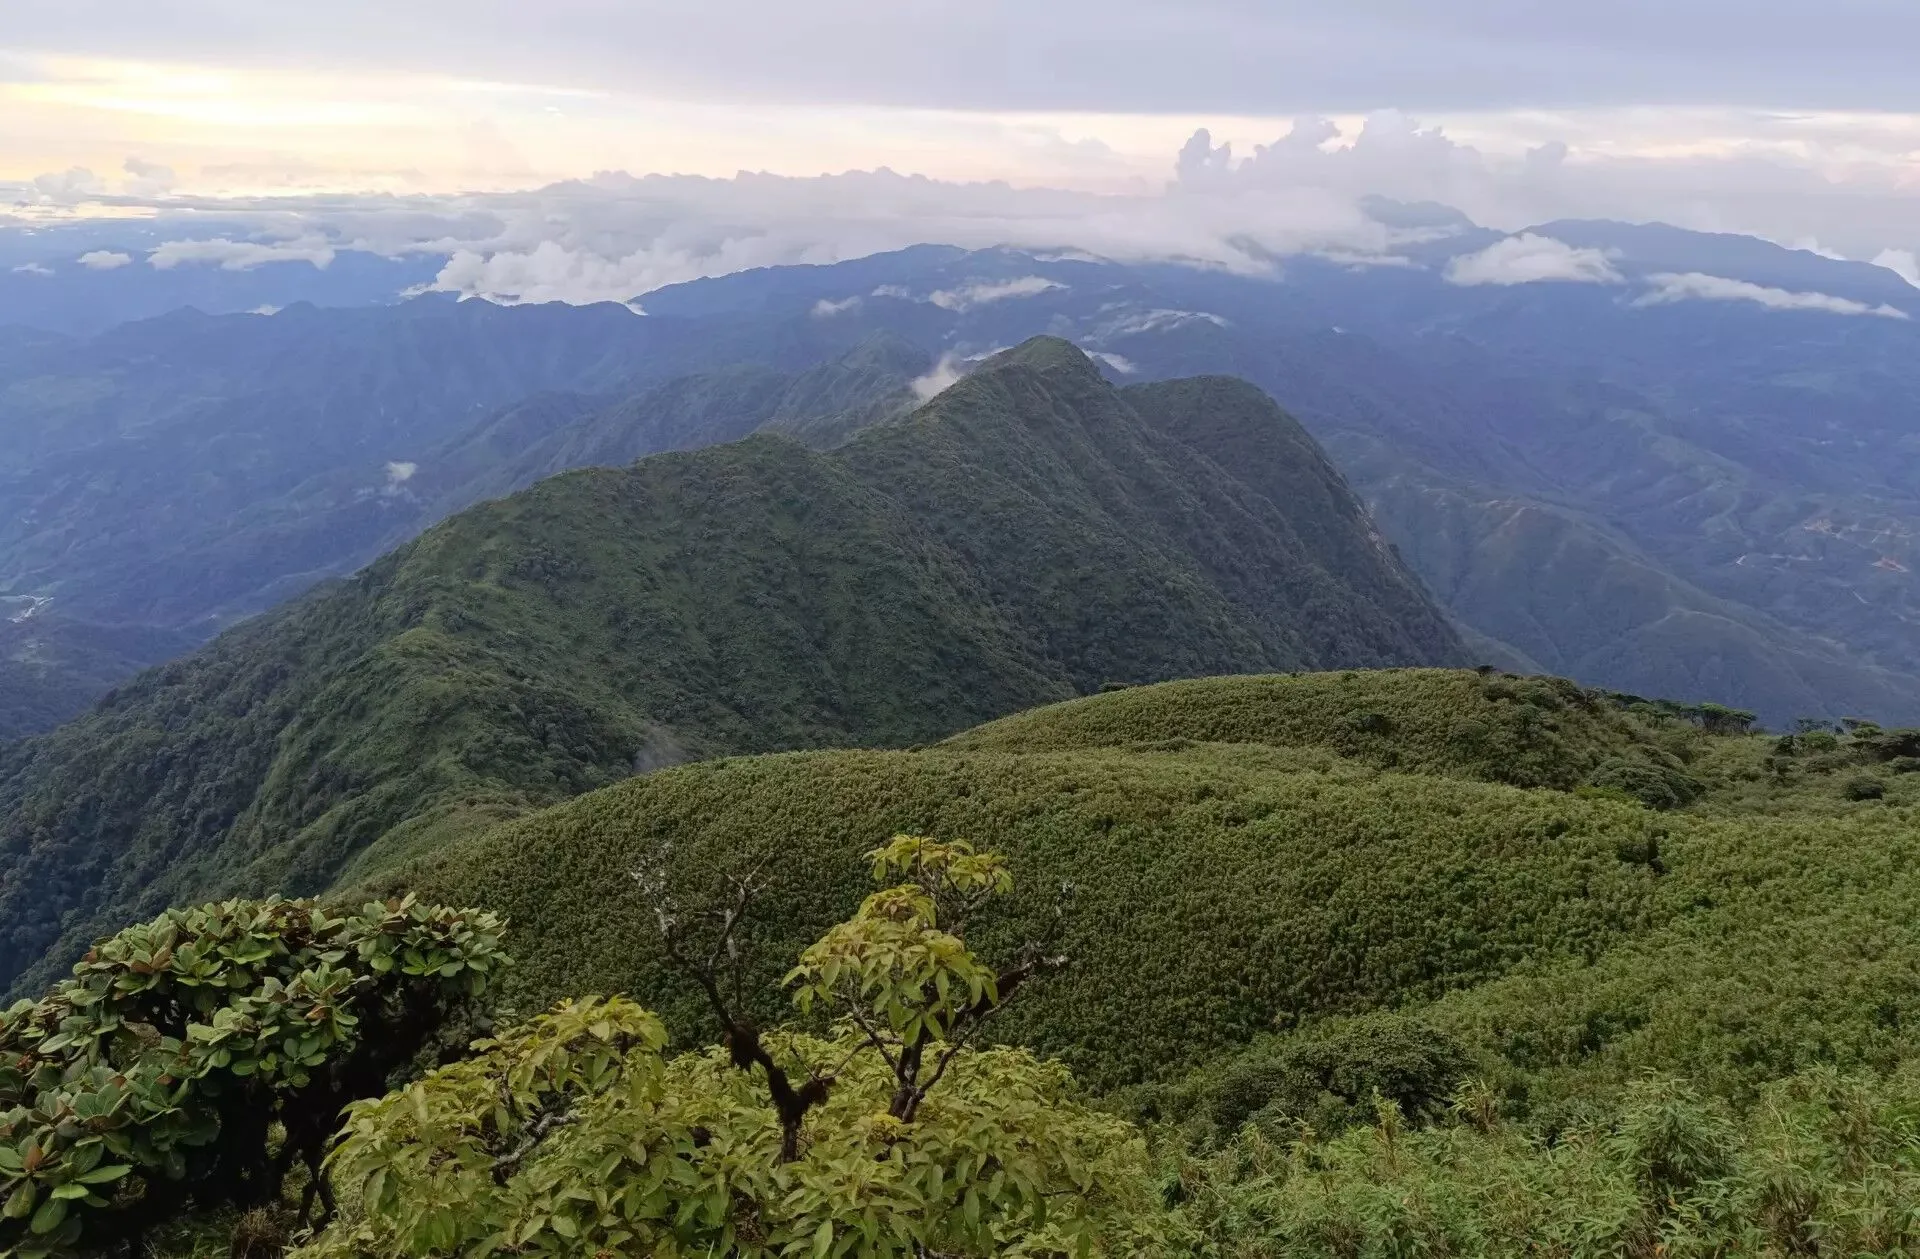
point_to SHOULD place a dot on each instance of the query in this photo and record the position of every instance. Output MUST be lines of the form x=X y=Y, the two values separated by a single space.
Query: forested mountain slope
x=1684 y=496
x=1027 y=535
x=333 y=511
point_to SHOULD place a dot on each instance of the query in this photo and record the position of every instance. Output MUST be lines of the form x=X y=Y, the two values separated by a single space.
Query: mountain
x=1739 y=449
x=1684 y=466
x=1030 y=533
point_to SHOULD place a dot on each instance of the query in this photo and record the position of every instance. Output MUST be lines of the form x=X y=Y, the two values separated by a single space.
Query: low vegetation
x=1610 y=978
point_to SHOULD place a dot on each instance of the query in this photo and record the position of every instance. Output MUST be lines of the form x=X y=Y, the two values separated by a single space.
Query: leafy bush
x=1887 y=745
x=1331 y=1078
x=1654 y=785
x=572 y=1134
x=153 y=1077
x=1864 y=788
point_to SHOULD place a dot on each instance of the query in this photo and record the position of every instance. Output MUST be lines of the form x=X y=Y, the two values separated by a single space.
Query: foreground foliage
x=573 y=1134
x=1825 y=1163
x=154 y=1078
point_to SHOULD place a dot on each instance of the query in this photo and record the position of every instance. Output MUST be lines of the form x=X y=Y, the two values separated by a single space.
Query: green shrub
x=1654 y=785
x=1331 y=1078
x=1828 y=1164
x=573 y=1134
x=1864 y=789
x=153 y=1078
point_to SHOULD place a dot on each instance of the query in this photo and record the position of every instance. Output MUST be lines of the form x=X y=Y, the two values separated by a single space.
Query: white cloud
x=69 y=186
x=32 y=268
x=824 y=309
x=1904 y=263
x=983 y=292
x=104 y=260
x=1693 y=286
x=1125 y=366
x=265 y=311
x=239 y=255
x=1532 y=259
x=398 y=474
x=1133 y=323
x=615 y=237
x=147 y=179
x=944 y=375
x=895 y=291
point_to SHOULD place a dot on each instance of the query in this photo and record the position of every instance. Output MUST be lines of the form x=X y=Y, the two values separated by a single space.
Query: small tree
x=152 y=1079
x=891 y=1134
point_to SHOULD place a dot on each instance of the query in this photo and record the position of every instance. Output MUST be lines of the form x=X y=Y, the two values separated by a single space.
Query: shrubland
x=1332 y=985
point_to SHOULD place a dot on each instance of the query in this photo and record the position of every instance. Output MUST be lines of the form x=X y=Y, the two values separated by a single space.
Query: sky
x=1798 y=120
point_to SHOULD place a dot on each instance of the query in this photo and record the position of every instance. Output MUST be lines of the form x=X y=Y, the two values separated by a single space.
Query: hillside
x=1026 y=536
x=52 y=669
x=205 y=573
x=1526 y=732
x=1243 y=875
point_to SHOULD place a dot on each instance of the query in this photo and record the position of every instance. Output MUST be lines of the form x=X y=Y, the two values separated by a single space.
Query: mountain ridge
x=1024 y=536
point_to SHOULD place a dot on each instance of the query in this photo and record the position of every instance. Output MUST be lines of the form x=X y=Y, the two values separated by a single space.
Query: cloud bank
x=983 y=293
x=1532 y=259
x=238 y=255
x=616 y=237
x=104 y=260
x=1693 y=286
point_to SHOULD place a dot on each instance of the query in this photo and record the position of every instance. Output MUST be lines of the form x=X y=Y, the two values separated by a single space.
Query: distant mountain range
x=1654 y=460
x=1030 y=534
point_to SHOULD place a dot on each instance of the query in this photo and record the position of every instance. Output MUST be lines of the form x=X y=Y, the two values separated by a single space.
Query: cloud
x=68 y=187
x=32 y=268
x=239 y=255
x=944 y=375
x=1125 y=366
x=398 y=474
x=1133 y=323
x=1904 y=263
x=1693 y=286
x=1532 y=259
x=824 y=309
x=984 y=292
x=147 y=179
x=265 y=311
x=104 y=260
x=615 y=237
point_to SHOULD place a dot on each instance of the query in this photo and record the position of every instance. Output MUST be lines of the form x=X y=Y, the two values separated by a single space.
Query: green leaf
x=823 y=1239
x=105 y=1175
x=49 y=1216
